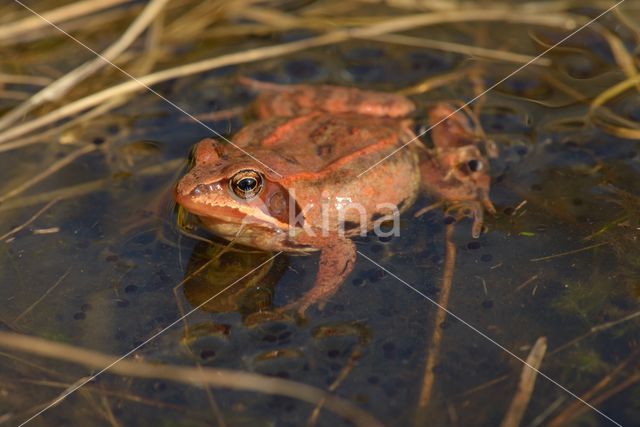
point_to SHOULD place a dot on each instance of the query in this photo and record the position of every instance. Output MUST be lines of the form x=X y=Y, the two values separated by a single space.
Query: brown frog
x=295 y=186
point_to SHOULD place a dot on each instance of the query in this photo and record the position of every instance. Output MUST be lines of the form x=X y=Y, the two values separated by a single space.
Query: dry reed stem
x=480 y=52
x=14 y=95
x=52 y=402
x=576 y=407
x=482 y=386
x=596 y=329
x=192 y=23
x=629 y=23
x=520 y=401
x=85 y=188
x=86 y=116
x=63 y=85
x=223 y=378
x=42 y=297
x=572 y=252
x=599 y=101
x=433 y=82
x=108 y=412
x=114 y=393
x=56 y=166
x=355 y=355
x=25 y=224
x=62 y=193
x=333 y=37
x=24 y=79
x=620 y=53
x=528 y=7
x=435 y=342
x=58 y=15
x=628 y=382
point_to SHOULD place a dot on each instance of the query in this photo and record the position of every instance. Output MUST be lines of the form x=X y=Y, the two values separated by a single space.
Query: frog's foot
x=473 y=209
x=336 y=262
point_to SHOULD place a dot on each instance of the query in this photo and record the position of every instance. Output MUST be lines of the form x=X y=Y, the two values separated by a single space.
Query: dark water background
x=123 y=255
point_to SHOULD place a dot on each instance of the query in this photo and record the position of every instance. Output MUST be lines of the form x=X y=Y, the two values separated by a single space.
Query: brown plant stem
x=223 y=378
x=435 y=342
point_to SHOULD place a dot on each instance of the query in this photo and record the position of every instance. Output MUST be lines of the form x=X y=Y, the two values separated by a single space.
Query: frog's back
x=323 y=142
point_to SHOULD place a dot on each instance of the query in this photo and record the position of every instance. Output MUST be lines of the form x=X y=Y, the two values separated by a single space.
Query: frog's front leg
x=337 y=258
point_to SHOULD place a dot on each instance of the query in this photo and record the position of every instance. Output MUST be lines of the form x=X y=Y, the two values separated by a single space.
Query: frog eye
x=246 y=184
x=471 y=166
x=474 y=165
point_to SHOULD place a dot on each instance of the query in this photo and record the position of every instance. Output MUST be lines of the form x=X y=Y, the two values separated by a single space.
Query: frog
x=298 y=178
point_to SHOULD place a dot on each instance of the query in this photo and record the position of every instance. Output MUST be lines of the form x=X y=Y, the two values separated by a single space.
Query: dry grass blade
x=42 y=297
x=86 y=116
x=596 y=329
x=629 y=23
x=575 y=251
x=60 y=87
x=53 y=402
x=355 y=355
x=527 y=382
x=599 y=101
x=619 y=131
x=25 y=224
x=620 y=53
x=435 y=342
x=333 y=37
x=224 y=378
x=71 y=11
x=480 y=52
x=13 y=95
x=48 y=171
x=63 y=193
x=576 y=407
x=24 y=79
x=85 y=188
x=114 y=393
x=564 y=87
x=434 y=82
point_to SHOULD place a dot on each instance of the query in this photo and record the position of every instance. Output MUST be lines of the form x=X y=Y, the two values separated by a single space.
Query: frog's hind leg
x=336 y=262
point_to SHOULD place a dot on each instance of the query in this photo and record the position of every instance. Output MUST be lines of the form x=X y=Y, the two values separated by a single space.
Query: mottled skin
x=318 y=139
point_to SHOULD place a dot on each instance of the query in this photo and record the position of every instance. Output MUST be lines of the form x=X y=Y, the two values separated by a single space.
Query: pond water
x=104 y=266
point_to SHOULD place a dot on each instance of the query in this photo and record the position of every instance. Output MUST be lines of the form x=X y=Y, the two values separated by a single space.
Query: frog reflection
x=251 y=296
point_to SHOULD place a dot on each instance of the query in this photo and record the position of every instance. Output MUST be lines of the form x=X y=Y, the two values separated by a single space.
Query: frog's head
x=232 y=191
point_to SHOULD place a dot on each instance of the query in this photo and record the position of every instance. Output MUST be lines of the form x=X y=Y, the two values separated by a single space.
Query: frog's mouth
x=219 y=215
x=213 y=213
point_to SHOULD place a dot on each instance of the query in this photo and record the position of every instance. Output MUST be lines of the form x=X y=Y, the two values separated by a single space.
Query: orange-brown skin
x=318 y=139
